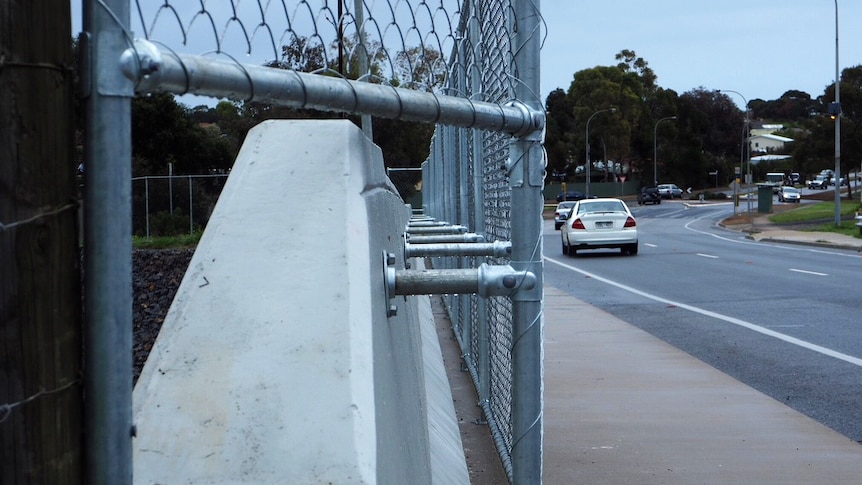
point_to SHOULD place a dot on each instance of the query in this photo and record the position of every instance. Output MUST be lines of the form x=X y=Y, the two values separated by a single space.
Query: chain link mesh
x=402 y=42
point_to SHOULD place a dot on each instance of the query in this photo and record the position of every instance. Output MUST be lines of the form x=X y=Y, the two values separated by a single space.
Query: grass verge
x=825 y=212
x=165 y=242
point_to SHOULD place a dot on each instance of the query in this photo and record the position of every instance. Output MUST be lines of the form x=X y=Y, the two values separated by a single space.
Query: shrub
x=707 y=195
x=166 y=224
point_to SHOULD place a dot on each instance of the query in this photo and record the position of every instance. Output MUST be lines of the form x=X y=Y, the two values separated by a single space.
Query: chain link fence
x=170 y=205
x=468 y=66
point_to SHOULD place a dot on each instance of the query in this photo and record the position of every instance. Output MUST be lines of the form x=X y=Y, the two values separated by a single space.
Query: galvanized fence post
x=107 y=244
x=481 y=340
x=191 y=208
x=527 y=177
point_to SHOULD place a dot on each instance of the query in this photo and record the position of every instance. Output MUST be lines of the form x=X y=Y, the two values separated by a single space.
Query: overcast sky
x=759 y=48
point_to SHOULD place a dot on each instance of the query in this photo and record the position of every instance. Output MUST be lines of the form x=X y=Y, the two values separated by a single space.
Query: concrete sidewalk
x=623 y=407
x=807 y=238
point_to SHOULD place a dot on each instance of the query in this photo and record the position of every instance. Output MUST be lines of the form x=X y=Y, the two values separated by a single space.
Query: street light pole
x=746 y=133
x=655 y=149
x=612 y=110
x=837 y=176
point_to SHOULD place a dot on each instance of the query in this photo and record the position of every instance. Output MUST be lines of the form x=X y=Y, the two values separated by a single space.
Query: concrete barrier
x=277 y=362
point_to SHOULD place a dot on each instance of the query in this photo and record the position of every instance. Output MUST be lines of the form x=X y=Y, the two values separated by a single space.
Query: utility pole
x=41 y=439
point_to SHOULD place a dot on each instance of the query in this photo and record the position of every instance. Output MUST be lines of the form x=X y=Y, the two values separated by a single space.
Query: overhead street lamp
x=655 y=149
x=609 y=110
x=837 y=110
x=745 y=152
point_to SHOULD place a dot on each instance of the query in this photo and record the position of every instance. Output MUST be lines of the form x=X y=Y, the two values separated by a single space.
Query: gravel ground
x=156 y=275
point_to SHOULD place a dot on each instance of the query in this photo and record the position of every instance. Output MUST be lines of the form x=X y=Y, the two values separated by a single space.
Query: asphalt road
x=783 y=319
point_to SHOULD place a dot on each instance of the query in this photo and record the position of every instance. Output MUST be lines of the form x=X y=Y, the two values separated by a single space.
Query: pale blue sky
x=759 y=48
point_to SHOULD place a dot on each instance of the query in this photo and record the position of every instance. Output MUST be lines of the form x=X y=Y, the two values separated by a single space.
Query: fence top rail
x=156 y=70
x=192 y=175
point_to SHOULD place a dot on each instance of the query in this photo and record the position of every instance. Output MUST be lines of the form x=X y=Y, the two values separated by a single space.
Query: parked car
x=600 y=223
x=795 y=178
x=571 y=195
x=819 y=182
x=669 y=191
x=561 y=213
x=649 y=195
x=789 y=194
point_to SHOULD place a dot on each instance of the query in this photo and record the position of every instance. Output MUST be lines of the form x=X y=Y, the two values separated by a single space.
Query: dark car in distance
x=819 y=182
x=571 y=195
x=649 y=195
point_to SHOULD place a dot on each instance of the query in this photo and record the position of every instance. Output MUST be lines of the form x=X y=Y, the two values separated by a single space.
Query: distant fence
x=168 y=205
x=469 y=66
x=408 y=181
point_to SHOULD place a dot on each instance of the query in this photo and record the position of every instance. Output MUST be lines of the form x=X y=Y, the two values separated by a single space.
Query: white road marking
x=650 y=245
x=735 y=321
x=707 y=255
x=809 y=272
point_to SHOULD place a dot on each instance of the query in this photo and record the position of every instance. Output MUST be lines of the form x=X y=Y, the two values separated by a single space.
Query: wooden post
x=40 y=280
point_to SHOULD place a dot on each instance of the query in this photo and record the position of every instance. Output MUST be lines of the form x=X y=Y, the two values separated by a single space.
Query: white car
x=561 y=213
x=600 y=223
x=789 y=194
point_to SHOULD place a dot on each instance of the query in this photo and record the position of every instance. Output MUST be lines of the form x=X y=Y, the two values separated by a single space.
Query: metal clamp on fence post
x=496 y=249
x=142 y=63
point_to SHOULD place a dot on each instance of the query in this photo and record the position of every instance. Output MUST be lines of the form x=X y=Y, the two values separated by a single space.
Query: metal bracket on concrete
x=389 y=272
x=496 y=249
x=468 y=237
x=426 y=223
x=486 y=280
x=438 y=229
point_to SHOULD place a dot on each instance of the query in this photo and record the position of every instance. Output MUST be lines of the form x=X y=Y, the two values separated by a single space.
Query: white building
x=768 y=143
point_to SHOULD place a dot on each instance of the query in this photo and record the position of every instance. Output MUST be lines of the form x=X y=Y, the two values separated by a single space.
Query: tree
x=301 y=54
x=560 y=134
x=420 y=68
x=629 y=87
x=163 y=132
x=712 y=136
x=815 y=148
x=793 y=106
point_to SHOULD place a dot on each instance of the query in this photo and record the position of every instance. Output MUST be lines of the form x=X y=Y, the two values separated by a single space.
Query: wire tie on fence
x=400 y=102
x=180 y=62
x=128 y=35
x=6 y=409
x=244 y=71
x=63 y=69
x=52 y=212
x=439 y=110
